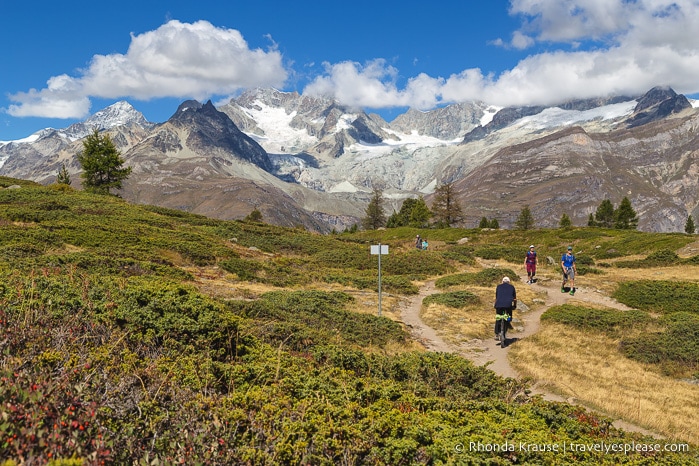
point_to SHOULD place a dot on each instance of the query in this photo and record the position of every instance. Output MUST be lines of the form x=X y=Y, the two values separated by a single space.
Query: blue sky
x=62 y=61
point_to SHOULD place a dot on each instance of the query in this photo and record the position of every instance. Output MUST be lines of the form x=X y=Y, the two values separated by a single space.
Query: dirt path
x=488 y=352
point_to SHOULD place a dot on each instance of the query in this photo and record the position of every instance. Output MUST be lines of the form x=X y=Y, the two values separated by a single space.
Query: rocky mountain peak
x=212 y=131
x=660 y=102
x=118 y=114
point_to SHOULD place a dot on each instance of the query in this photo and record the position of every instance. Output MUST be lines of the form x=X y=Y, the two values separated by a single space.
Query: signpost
x=379 y=250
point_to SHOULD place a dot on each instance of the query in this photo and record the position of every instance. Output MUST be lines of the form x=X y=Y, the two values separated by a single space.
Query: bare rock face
x=444 y=123
x=572 y=171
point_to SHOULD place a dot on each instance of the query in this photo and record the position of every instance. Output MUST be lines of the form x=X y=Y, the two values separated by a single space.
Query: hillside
x=134 y=334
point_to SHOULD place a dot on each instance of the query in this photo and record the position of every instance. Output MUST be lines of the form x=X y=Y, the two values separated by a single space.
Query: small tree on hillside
x=591 y=221
x=625 y=217
x=403 y=217
x=484 y=223
x=565 y=221
x=375 y=216
x=604 y=216
x=63 y=177
x=102 y=164
x=494 y=224
x=445 y=208
x=525 y=221
x=420 y=214
x=689 y=226
x=254 y=216
x=393 y=220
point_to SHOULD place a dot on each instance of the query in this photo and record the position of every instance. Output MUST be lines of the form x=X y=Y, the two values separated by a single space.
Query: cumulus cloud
x=183 y=60
x=631 y=47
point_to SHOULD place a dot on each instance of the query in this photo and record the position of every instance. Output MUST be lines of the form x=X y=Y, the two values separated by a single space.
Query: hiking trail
x=488 y=352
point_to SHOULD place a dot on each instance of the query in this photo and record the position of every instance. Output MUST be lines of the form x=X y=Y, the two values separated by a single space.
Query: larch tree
x=445 y=208
x=375 y=215
x=689 y=227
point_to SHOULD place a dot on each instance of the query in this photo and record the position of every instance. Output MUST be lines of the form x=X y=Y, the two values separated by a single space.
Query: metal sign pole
x=379 y=250
x=379 y=279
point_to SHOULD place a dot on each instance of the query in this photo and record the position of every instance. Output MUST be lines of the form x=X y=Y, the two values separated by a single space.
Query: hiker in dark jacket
x=505 y=302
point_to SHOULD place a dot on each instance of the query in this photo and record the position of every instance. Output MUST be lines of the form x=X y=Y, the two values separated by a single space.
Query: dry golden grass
x=458 y=325
x=589 y=368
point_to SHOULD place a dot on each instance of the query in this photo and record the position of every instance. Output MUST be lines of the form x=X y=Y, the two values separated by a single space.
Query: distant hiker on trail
x=568 y=267
x=418 y=242
x=424 y=245
x=530 y=263
x=505 y=302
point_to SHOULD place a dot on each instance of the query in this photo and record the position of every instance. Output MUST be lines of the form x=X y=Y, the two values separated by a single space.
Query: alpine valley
x=310 y=162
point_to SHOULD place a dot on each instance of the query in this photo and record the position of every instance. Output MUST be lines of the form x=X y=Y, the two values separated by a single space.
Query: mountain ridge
x=312 y=162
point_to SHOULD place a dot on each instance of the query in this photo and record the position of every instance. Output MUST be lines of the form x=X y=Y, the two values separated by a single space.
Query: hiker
x=418 y=242
x=505 y=302
x=530 y=263
x=424 y=245
x=568 y=267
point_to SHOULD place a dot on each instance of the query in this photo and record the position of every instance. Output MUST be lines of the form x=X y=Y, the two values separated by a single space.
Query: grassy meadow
x=142 y=335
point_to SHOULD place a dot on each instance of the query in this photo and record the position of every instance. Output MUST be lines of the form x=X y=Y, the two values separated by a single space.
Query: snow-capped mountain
x=309 y=161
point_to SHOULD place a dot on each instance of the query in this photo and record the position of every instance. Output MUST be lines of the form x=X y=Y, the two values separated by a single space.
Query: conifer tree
x=494 y=224
x=403 y=218
x=419 y=214
x=375 y=216
x=445 y=208
x=254 y=216
x=604 y=216
x=625 y=217
x=525 y=221
x=689 y=227
x=102 y=164
x=484 y=223
x=565 y=221
x=393 y=220
x=63 y=176
x=591 y=221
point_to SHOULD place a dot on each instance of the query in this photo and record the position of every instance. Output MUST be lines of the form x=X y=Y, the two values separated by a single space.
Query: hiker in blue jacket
x=568 y=267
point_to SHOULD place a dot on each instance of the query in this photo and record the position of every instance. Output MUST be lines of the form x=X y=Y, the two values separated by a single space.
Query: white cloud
x=183 y=60
x=521 y=41
x=631 y=47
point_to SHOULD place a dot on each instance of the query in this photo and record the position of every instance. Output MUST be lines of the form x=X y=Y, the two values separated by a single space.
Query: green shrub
x=462 y=254
x=455 y=299
x=661 y=258
x=346 y=257
x=282 y=272
x=659 y=296
x=415 y=263
x=676 y=348
x=610 y=321
x=307 y=318
x=152 y=308
x=585 y=270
